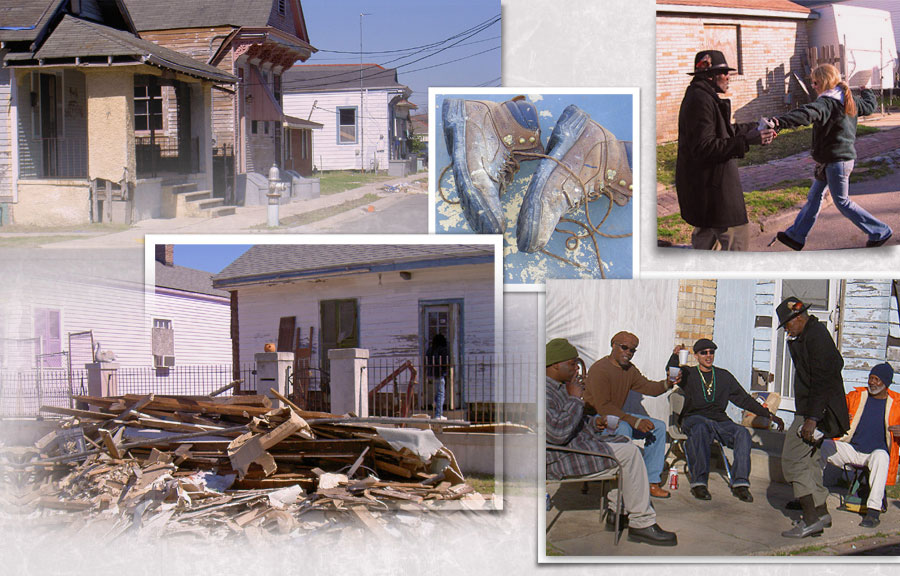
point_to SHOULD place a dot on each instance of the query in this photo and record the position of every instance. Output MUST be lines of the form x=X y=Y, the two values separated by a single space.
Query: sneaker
x=802 y=530
x=482 y=139
x=581 y=148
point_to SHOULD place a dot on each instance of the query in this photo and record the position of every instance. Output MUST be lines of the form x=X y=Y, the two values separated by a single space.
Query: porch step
x=183 y=188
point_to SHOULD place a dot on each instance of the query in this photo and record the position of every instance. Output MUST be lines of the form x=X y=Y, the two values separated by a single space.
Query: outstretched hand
x=779 y=423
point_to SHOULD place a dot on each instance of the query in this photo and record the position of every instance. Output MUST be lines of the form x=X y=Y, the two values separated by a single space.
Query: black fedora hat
x=704 y=344
x=710 y=62
x=789 y=309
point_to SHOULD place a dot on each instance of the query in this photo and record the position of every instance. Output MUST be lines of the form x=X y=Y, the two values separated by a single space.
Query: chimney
x=165 y=254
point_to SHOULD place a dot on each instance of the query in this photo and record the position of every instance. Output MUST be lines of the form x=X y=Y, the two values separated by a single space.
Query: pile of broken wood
x=225 y=465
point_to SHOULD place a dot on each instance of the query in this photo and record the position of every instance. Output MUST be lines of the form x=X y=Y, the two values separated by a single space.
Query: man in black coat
x=706 y=174
x=821 y=412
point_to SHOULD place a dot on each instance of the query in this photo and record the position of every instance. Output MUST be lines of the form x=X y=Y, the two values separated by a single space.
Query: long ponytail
x=849 y=103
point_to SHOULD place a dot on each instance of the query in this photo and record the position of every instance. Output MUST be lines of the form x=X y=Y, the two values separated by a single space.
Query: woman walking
x=833 y=116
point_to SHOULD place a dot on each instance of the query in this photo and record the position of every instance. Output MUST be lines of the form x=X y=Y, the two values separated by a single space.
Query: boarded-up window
x=725 y=38
x=163 y=343
x=286 y=333
x=339 y=326
x=346 y=125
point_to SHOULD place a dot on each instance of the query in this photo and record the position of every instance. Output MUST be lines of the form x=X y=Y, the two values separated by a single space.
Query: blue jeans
x=654 y=445
x=438 y=397
x=837 y=175
x=701 y=431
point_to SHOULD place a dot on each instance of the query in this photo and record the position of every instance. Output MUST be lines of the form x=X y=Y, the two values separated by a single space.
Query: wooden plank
x=78 y=413
x=243 y=453
x=110 y=444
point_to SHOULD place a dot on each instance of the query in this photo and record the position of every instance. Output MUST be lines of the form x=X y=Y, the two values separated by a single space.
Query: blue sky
x=394 y=25
x=210 y=257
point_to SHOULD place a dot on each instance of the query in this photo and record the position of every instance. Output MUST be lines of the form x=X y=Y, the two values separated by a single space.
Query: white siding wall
x=864 y=328
x=6 y=158
x=202 y=327
x=764 y=301
x=113 y=311
x=388 y=308
x=327 y=153
x=891 y=6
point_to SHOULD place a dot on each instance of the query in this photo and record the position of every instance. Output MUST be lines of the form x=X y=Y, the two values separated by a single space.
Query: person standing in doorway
x=437 y=361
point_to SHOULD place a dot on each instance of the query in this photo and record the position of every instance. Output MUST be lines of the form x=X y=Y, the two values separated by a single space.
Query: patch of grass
x=760 y=204
x=74 y=228
x=870 y=170
x=789 y=142
x=322 y=213
x=33 y=241
x=332 y=182
x=802 y=551
x=893 y=491
x=554 y=551
x=484 y=483
x=666 y=155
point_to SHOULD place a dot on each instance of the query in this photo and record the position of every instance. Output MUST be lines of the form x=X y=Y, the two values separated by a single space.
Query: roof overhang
x=351 y=270
x=264 y=45
x=300 y=124
x=734 y=12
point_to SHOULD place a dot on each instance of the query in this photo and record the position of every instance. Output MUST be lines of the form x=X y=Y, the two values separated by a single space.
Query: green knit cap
x=559 y=350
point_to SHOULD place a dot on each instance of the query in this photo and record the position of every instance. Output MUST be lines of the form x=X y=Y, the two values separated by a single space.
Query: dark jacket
x=437 y=357
x=818 y=384
x=727 y=389
x=706 y=173
x=834 y=132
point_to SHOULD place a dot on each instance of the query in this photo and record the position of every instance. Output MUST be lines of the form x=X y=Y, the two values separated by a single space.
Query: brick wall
x=695 y=311
x=770 y=50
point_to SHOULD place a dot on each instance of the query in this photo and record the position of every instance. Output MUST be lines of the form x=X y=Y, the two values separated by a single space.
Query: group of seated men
x=587 y=413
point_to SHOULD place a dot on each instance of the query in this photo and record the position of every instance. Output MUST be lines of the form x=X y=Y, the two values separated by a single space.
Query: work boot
x=483 y=139
x=588 y=151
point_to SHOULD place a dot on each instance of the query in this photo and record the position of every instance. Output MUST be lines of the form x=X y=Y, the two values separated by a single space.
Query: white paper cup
x=674 y=371
x=682 y=357
x=612 y=422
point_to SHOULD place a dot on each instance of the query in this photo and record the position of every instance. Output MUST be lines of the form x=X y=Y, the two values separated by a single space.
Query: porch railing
x=166 y=154
x=41 y=158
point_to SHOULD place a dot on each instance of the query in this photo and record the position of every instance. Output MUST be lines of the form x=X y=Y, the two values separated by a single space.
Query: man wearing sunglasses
x=608 y=383
x=708 y=389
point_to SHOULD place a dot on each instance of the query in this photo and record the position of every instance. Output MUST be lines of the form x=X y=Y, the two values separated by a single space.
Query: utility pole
x=359 y=120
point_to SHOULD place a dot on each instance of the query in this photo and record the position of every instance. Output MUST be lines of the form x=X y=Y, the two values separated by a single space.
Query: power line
x=348 y=58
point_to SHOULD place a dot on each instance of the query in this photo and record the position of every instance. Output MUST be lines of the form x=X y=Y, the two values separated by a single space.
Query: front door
x=442 y=317
x=49 y=124
x=823 y=295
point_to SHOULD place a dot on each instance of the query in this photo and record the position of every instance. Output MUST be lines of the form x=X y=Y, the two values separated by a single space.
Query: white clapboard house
x=388 y=299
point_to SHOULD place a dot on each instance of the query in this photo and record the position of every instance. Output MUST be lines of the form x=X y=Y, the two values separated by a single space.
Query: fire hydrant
x=276 y=186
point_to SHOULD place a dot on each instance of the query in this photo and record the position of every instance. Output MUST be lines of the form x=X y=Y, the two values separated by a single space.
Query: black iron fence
x=477 y=388
x=166 y=154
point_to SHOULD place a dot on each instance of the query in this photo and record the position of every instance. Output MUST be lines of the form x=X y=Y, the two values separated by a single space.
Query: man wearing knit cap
x=708 y=389
x=567 y=425
x=609 y=381
x=820 y=409
x=869 y=442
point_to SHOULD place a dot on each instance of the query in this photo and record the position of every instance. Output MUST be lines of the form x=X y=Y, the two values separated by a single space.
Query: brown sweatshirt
x=607 y=386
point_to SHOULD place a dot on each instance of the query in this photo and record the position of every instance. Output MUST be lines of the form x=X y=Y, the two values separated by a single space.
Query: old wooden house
x=256 y=41
x=363 y=109
x=81 y=88
x=389 y=299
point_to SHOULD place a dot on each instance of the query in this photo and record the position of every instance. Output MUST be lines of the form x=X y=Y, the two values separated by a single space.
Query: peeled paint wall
x=110 y=96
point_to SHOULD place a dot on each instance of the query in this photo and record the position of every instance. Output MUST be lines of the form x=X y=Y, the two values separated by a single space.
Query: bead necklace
x=709 y=388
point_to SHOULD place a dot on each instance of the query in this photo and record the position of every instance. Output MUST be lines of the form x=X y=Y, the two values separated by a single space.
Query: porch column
x=271 y=372
x=103 y=378
x=110 y=125
x=349 y=381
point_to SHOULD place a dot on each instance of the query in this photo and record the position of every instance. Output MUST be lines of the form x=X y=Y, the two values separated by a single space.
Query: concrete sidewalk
x=721 y=527
x=388 y=215
x=868 y=147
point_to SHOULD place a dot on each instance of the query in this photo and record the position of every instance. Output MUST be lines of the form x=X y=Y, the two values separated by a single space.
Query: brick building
x=765 y=40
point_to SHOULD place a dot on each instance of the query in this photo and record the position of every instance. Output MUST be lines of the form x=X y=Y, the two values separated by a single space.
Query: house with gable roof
x=388 y=299
x=256 y=41
x=79 y=86
x=363 y=109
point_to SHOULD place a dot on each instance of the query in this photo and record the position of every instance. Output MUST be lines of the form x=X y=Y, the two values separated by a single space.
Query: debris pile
x=211 y=466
